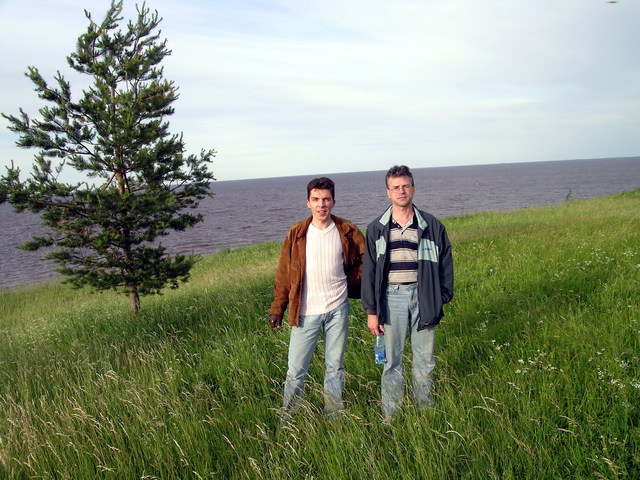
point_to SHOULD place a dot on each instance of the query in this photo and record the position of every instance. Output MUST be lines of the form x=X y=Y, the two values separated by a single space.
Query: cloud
x=284 y=87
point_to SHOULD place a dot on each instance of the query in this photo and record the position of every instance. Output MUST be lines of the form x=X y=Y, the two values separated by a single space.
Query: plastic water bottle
x=380 y=354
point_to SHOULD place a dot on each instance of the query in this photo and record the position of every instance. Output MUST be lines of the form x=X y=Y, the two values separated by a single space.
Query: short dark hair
x=398 y=171
x=321 y=183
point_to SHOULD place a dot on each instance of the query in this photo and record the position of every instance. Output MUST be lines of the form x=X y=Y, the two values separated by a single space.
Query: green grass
x=537 y=375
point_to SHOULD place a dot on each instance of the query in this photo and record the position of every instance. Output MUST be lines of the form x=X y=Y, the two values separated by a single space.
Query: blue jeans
x=403 y=314
x=302 y=344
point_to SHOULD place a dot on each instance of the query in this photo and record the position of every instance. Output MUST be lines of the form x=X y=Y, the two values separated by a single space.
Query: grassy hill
x=537 y=375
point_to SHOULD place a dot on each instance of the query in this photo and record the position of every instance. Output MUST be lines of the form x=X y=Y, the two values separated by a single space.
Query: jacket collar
x=385 y=219
x=340 y=225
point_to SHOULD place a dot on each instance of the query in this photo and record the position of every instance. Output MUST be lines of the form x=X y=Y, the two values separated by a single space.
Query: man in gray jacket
x=407 y=277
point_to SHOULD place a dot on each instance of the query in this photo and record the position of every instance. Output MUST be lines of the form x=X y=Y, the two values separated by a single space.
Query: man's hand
x=275 y=321
x=374 y=325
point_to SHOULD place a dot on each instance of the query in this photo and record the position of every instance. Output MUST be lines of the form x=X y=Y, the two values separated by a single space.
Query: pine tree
x=138 y=183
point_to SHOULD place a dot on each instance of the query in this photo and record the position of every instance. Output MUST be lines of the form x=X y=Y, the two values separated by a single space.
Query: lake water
x=244 y=212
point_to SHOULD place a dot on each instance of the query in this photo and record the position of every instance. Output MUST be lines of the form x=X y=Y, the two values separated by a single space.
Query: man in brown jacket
x=320 y=267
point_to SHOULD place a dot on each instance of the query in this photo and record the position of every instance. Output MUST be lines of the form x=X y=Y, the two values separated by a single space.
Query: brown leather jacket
x=291 y=267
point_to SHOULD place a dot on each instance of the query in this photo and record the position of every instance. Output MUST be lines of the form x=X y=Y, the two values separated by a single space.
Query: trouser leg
x=423 y=360
x=422 y=345
x=302 y=344
x=336 y=328
x=395 y=332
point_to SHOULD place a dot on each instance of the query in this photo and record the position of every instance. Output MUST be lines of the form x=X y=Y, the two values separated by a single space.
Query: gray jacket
x=435 y=268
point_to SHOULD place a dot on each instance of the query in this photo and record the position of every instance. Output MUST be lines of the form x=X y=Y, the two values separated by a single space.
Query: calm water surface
x=244 y=212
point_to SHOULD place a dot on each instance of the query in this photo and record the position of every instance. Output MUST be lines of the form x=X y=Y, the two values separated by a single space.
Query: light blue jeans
x=304 y=338
x=402 y=315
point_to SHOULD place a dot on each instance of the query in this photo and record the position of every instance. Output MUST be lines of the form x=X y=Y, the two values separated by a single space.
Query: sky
x=306 y=87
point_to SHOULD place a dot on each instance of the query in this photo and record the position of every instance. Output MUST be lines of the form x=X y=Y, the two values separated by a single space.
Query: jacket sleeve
x=282 y=283
x=446 y=268
x=354 y=269
x=368 y=294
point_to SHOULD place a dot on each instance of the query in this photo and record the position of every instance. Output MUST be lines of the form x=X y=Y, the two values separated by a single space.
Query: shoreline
x=54 y=278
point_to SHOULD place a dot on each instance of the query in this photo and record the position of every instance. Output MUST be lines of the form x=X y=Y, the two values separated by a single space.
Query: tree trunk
x=134 y=302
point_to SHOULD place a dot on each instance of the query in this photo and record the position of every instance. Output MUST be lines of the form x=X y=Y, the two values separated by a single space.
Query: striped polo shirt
x=403 y=252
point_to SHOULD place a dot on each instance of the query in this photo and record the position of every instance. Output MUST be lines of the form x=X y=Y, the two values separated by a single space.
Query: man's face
x=320 y=202
x=400 y=191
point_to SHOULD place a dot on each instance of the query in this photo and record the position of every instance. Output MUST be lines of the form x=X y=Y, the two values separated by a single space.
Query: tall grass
x=537 y=376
